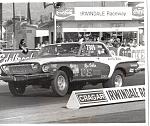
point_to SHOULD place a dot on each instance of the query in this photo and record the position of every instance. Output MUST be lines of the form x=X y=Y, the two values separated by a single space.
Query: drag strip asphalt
x=58 y=112
x=119 y=117
x=38 y=106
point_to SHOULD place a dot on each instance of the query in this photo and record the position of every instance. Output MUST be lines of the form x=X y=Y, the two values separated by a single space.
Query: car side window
x=88 y=50
x=102 y=51
x=94 y=50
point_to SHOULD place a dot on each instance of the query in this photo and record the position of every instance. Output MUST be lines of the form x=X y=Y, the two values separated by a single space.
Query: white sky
x=21 y=9
x=36 y=7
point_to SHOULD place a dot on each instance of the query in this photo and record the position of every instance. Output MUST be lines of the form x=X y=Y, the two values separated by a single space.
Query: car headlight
x=34 y=66
x=5 y=69
x=45 y=68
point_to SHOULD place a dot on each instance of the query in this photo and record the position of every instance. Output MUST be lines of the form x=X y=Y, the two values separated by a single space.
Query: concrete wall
x=30 y=33
x=96 y=4
x=99 y=24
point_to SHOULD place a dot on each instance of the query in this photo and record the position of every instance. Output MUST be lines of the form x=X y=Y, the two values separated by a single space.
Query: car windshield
x=60 y=49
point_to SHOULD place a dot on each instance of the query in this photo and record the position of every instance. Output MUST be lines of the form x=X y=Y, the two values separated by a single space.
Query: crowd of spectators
x=116 y=42
x=42 y=44
x=113 y=42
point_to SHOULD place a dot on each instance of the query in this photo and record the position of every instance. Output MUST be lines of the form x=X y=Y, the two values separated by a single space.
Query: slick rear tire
x=60 y=84
x=117 y=80
x=16 y=88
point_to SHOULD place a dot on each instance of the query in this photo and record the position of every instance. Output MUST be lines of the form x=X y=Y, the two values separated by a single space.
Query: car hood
x=80 y=59
x=106 y=60
x=58 y=59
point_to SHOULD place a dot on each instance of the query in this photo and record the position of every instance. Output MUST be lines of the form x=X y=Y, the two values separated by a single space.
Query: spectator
x=45 y=43
x=124 y=42
x=95 y=39
x=115 y=42
x=118 y=41
x=102 y=39
x=98 y=39
x=87 y=38
x=38 y=46
x=134 y=43
x=81 y=39
x=108 y=44
x=111 y=40
x=59 y=40
x=1 y=47
x=23 y=46
x=130 y=43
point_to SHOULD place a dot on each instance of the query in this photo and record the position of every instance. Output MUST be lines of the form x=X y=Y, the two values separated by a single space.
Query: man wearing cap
x=87 y=37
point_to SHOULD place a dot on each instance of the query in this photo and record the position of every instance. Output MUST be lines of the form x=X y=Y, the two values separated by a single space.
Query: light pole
x=55 y=22
x=55 y=7
x=13 y=35
x=1 y=21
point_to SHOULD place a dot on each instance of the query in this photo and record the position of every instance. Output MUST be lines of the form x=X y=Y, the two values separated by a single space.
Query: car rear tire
x=17 y=88
x=117 y=80
x=60 y=84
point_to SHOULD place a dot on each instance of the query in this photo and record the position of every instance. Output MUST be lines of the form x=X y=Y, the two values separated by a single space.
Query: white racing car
x=68 y=66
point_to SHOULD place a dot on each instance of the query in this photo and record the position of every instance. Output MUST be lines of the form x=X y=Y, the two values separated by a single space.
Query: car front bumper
x=138 y=70
x=25 y=77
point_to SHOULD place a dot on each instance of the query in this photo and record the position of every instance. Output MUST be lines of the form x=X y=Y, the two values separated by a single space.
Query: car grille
x=21 y=69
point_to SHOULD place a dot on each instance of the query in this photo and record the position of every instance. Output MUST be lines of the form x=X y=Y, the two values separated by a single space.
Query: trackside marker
x=85 y=98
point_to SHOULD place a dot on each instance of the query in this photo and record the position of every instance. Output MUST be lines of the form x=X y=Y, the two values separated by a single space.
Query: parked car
x=65 y=67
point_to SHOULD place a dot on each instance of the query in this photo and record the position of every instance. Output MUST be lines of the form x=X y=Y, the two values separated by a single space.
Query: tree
x=8 y=23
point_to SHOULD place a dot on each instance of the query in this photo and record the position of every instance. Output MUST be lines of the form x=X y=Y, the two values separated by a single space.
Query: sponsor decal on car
x=75 y=69
x=14 y=57
x=89 y=65
x=86 y=72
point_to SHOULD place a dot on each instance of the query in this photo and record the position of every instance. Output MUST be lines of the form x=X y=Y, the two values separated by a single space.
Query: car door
x=95 y=52
x=101 y=59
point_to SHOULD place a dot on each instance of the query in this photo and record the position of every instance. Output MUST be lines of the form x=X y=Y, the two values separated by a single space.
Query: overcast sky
x=21 y=9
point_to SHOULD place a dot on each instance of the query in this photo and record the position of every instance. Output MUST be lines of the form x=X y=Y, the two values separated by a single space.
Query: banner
x=85 y=98
x=138 y=13
x=100 y=13
x=103 y=13
x=137 y=53
x=95 y=13
x=65 y=13
x=16 y=55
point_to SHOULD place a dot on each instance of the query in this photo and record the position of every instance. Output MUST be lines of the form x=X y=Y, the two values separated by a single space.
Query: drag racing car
x=65 y=67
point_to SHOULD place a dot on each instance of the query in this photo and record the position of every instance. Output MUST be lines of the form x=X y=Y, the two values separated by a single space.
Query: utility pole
x=1 y=21
x=56 y=6
x=54 y=18
x=28 y=14
x=13 y=35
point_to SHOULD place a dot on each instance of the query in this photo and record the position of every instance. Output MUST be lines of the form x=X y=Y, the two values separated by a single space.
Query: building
x=29 y=32
x=101 y=20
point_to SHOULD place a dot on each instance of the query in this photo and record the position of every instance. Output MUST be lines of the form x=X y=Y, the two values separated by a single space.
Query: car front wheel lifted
x=60 y=83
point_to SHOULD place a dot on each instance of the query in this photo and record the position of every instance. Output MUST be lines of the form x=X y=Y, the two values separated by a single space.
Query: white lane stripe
x=11 y=117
